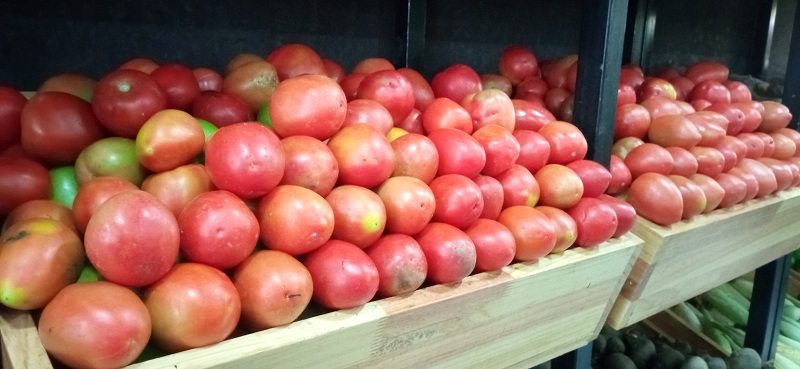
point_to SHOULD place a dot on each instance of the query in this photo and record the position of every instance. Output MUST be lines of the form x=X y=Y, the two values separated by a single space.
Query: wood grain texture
x=671 y=326
x=691 y=257
x=22 y=348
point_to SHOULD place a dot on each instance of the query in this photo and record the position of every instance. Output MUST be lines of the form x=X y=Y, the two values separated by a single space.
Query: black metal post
x=791 y=84
x=762 y=36
x=639 y=33
x=580 y=358
x=766 y=307
x=600 y=54
x=411 y=23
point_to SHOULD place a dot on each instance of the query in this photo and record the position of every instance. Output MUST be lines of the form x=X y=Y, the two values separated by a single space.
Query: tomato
x=409 y=203
x=423 y=93
x=333 y=70
x=56 y=126
x=254 y=82
x=221 y=109
x=179 y=84
x=755 y=145
x=712 y=126
x=625 y=95
x=491 y=81
x=309 y=163
x=459 y=201
x=735 y=189
x=274 y=288
x=350 y=83
x=753 y=115
x=294 y=219
x=621 y=176
x=38 y=257
x=626 y=214
x=124 y=99
x=656 y=198
x=684 y=162
x=594 y=176
x=782 y=170
x=445 y=113
x=555 y=98
x=567 y=143
x=565 y=112
x=412 y=123
x=714 y=193
x=519 y=187
x=63 y=185
x=531 y=87
x=169 y=139
x=493 y=196
x=673 y=130
x=769 y=143
x=495 y=245
x=359 y=215
x=207 y=79
x=416 y=156
x=632 y=75
x=401 y=264
x=371 y=65
x=683 y=87
x=217 y=229
x=793 y=135
x=534 y=150
x=194 y=305
x=490 y=107
x=456 y=82
x=533 y=231
x=710 y=161
x=501 y=148
x=565 y=227
x=95 y=324
x=706 y=71
x=391 y=89
x=530 y=116
x=712 y=91
x=291 y=60
x=311 y=105
x=596 y=221
x=459 y=153
x=767 y=182
x=21 y=180
x=117 y=247
x=517 y=62
x=41 y=208
x=245 y=158
x=739 y=91
x=649 y=157
x=693 y=196
x=556 y=73
x=368 y=112
x=450 y=253
x=364 y=155
x=141 y=64
x=559 y=185
x=75 y=84
x=632 y=120
x=11 y=105
x=750 y=181
x=785 y=147
x=94 y=193
x=241 y=59
x=775 y=117
x=656 y=87
x=661 y=105
x=343 y=274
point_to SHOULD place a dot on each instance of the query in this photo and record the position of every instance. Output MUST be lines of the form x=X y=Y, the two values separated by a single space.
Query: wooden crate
x=691 y=257
x=525 y=314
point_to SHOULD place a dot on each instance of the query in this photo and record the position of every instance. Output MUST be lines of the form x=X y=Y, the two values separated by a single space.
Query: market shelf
x=691 y=257
x=525 y=314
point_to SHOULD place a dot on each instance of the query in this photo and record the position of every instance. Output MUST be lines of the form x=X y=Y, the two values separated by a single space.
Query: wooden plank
x=22 y=348
x=690 y=257
x=793 y=284
x=671 y=326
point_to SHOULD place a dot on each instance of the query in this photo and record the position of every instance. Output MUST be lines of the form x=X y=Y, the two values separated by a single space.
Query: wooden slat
x=690 y=257
x=671 y=326
x=22 y=348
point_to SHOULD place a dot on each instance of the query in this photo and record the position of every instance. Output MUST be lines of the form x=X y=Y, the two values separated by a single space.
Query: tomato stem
x=125 y=87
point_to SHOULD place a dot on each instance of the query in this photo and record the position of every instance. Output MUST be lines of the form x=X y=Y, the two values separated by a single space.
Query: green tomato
x=208 y=127
x=89 y=274
x=110 y=156
x=263 y=116
x=63 y=185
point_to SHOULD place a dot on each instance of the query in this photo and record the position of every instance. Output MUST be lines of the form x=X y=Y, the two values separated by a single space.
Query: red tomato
x=596 y=221
x=456 y=82
x=490 y=107
x=567 y=109
x=40 y=208
x=712 y=91
x=309 y=163
x=753 y=113
x=566 y=229
x=517 y=62
x=445 y=113
x=707 y=71
x=626 y=214
x=620 y=176
x=217 y=229
x=555 y=98
x=656 y=87
x=391 y=89
x=710 y=161
x=594 y=176
x=368 y=112
x=241 y=59
x=673 y=130
x=409 y=204
x=169 y=139
x=141 y=64
x=221 y=109
x=57 y=126
x=785 y=147
x=519 y=187
x=713 y=191
x=567 y=142
x=371 y=65
x=291 y=60
x=775 y=116
x=459 y=153
x=502 y=149
x=294 y=219
x=311 y=105
x=735 y=189
x=632 y=120
x=533 y=231
x=94 y=193
x=559 y=185
x=632 y=75
x=412 y=123
x=668 y=72
x=532 y=86
x=449 y=252
x=75 y=84
x=769 y=143
x=21 y=180
x=350 y=83
x=194 y=305
x=46 y=246
x=657 y=198
x=416 y=156
x=684 y=162
x=713 y=127
x=344 y=276
x=459 y=201
x=364 y=155
x=401 y=264
x=534 y=150
x=732 y=145
x=755 y=145
x=625 y=95
x=792 y=134
x=175 y=188
x=530 y=116
x=423 y=93
x=245 y=158
x=750 y=181
x=649 y=157
x=333 y=70
x=95 y=324
x=739 y=91
x=124 y=99
x=767 y=182
x=693 y=196
x=661 y=105
x=254 y=82
x=683 y=87
x=120 y=250
x=11 y=104
x=491 y=81
x=494 y=245
x=274 y=288
x=179 y=84
x=493 y=195
x=556 y=73
x=782 y=171
x=359 y=215
x=207 y=79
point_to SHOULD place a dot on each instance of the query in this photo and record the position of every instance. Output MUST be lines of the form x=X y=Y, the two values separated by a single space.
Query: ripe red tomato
x=713 y=127
x=207 y=79
x=492 y=193
x=673 y=130
x=732 y=145
x=245 y=158
x=494 y=245
x=566 y=229
x=782 y=171
x=661 y=105
x=416 y=156
x=684 y=162
x=555 y=98
x=456 y=82
x=519 y=187
x=459 y=201
x=310 y=105
x=533 y=231
x=749 y=179
x=556 y=72
x=141 y=64
x=739 y=91
x=632 y=120
x=11 y=104
x=567 y=142
x=693 y=196
x=656 y=198
x=333 y=70
x=310 y=164
x=217 y=229
x=409 y=203
x=169 y=139
x=359 y=215
x=656 y=87
x=401 y=264
x=40 y=208
x=497 y=82
x=683 y=87
x=344 y=276
x=490 y=107
x=710 y=161
x=626 y=214
x=21 y=180
x=792 y=134
x=517 y=62
x=755 y=145
x=94 y=193
x=502 y=149
x=620 y=176
x=57 y=126
x=534 y=150
x=364 y=155
x=712 y=91
x=363 y=111
x=371 y=65
x=294 y=219
x=391 y=89
x=449 y=252
x=120 y=250
x=530 y=116
x=459 y=153
x=292 y=60
x=735 y=189
x=274 y=288
x=350 y=83
x=175 y=188
x=124 y=99
x=193 y=305
x=423 y=93
x=753 y=113
x=706 y=71
x=221 y=109
x=445 y=113
x=559 y=185
x=775 y=116
x=632 y=75
x=76 y=84
x=785 y=147
x=95 y=324
x=412 y=123
x=596 y=221
x=254 y=82
x=625 y=95
x=767 y=183
x=649 y=157
x=531 y=88
x=178 y=83
x=713 y=191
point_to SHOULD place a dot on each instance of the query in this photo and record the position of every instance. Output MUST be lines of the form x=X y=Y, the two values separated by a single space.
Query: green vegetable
x=719 y=337
x=615 y=345
x=694 y=362
x=618 y=361
x=744 y=287
x=790 y=310
x=688 y=316
x=782 y=362
x=733 y=293
x=728 y=305
x=790 y=328
x=716 y=363
x=746 y=358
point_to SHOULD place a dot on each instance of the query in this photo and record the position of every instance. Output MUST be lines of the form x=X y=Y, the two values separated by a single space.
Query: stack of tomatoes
x=194 y=206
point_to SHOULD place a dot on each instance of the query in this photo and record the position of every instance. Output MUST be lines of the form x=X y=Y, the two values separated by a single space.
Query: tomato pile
x=191 y=206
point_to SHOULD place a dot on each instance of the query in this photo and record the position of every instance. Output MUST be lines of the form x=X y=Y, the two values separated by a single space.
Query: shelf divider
x=411 y=27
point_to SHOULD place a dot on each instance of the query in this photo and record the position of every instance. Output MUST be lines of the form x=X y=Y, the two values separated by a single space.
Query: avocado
x=694 y=362
x=746 y=358
x=615 y=345
x=716 y=363
x=641 y=351
x=683 y=347
x=618 y=361
x=599 y=344
x=667 y=358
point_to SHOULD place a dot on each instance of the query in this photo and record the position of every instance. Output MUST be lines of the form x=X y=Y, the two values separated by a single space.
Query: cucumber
x=782 y=362
x=720 y=338
x=744 y=287
x=790 y=310
x=793 y=344
x=742 y=299
x=727 y=305
x=688 y=316
x=719 y=317
x=790 y=329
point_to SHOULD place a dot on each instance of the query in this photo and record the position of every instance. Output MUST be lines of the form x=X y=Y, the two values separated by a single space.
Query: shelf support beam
x=640 y=32
x=580 y=358
x=766 y=307
x=791 y=84
x=764 y=28
x=411 y=23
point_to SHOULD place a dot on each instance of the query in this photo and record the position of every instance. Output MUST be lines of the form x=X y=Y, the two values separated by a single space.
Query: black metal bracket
x=640 y=32
x=762 y=36
x=411 y=23
x=766 y=307
x=791 y=84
